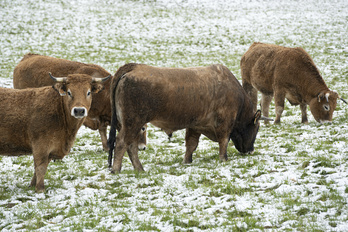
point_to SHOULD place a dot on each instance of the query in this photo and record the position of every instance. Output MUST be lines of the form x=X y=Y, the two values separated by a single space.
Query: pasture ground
x=297 y=180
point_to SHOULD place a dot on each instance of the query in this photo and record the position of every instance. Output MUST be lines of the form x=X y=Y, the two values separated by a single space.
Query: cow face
x=244 y=135
x=142 y=138
x=77 y=89
x=323 y=106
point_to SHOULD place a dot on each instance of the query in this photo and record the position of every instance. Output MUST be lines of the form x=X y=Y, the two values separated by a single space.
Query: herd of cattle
x=43 y=121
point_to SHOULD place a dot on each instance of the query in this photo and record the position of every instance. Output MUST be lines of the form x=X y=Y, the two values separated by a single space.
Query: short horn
x=266 y=119
x=101 y=79
x=327 y=96
x=342 y=99
x=57 y=79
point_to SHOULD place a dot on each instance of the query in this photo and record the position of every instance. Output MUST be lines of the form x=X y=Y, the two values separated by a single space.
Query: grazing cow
x=286 y=73
x=44 y=121
x=31 y=72
x=204 y=100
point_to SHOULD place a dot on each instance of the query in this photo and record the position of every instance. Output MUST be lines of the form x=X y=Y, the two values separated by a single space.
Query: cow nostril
x=79 y=112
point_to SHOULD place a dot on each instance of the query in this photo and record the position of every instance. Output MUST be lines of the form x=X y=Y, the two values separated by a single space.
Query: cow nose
x=142 y=147
x=79 y=112
x=325 y=122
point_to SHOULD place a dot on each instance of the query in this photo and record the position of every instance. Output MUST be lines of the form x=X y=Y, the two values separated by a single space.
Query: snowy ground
x=296 y=180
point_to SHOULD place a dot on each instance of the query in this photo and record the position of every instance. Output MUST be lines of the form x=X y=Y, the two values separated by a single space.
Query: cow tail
x=121 y=72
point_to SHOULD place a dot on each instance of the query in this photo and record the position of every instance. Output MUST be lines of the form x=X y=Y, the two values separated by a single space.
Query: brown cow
x=31 y=72
x=44 y=121
x=204 y=100
x=286 y=73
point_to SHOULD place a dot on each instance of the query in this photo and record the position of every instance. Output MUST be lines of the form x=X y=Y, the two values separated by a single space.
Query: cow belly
x=12 y=149
x=12 y=143
x=205 y=128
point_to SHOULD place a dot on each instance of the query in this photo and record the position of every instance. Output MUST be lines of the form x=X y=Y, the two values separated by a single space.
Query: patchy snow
x=296 y=169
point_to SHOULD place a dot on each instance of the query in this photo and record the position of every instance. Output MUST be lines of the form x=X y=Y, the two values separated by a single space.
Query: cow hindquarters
x=191 y=139
x=119 y=151
x=133 y=156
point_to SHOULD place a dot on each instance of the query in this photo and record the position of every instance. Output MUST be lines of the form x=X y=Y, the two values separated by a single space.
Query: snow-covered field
x=296 y=180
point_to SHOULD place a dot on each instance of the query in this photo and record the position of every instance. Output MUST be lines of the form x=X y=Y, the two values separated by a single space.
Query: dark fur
x=204 y=100
x=114 y=123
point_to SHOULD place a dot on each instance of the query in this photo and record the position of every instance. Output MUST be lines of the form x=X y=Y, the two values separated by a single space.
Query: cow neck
x=245 y=113
x=313 y=92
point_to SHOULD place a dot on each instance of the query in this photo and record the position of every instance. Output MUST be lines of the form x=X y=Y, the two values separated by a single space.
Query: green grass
x=294 y=181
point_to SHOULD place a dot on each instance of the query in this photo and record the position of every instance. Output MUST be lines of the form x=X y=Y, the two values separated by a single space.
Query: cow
x=202 y=100
x=31 y=72
x=44 y=121
x=288 y=73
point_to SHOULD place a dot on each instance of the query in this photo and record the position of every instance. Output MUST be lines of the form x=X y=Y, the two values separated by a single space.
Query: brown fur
x=32 y=72
x=286 y=73
x=39 y=121
x=204 y=100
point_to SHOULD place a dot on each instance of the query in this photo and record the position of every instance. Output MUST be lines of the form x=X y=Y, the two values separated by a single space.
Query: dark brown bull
x=286 y=73
x=31 y=72
x=204 y=100
x=44 y=121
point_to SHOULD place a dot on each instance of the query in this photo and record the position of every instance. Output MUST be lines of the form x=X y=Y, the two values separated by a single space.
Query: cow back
x=32 y=72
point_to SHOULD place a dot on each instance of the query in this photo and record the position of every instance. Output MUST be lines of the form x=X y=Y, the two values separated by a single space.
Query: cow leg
x=252 y=92
x=41 y=162
x=133 y=156
x=223 y=143
x=119 y=151
x=103 y=137
x=265 y=103
x=191 y=139
x=304 y=113
x=95 y=124
x=279 y=99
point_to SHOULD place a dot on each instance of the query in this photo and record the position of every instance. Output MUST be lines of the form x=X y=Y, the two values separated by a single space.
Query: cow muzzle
x=79 y=112
x=325 y=122
x=141 y=146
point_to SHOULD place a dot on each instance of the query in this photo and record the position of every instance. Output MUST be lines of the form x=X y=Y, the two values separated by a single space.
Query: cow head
x=77 y=89
x=142 y=138
x=244 y=133
x=323 y=106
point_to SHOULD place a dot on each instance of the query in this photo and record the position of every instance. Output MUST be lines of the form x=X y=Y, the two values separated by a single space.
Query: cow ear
x=257 y=117
x=97 y=87
x=321 y=96
x=60 y=88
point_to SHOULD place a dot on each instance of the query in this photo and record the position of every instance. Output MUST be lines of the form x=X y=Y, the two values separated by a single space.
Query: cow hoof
x=115 y=171
x=187 y=162
x=40 y=190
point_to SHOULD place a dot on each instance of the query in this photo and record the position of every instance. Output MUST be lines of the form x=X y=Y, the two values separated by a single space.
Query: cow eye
x=143 y=129
x=326 y=107
x=88 y=93
x=69 y=92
